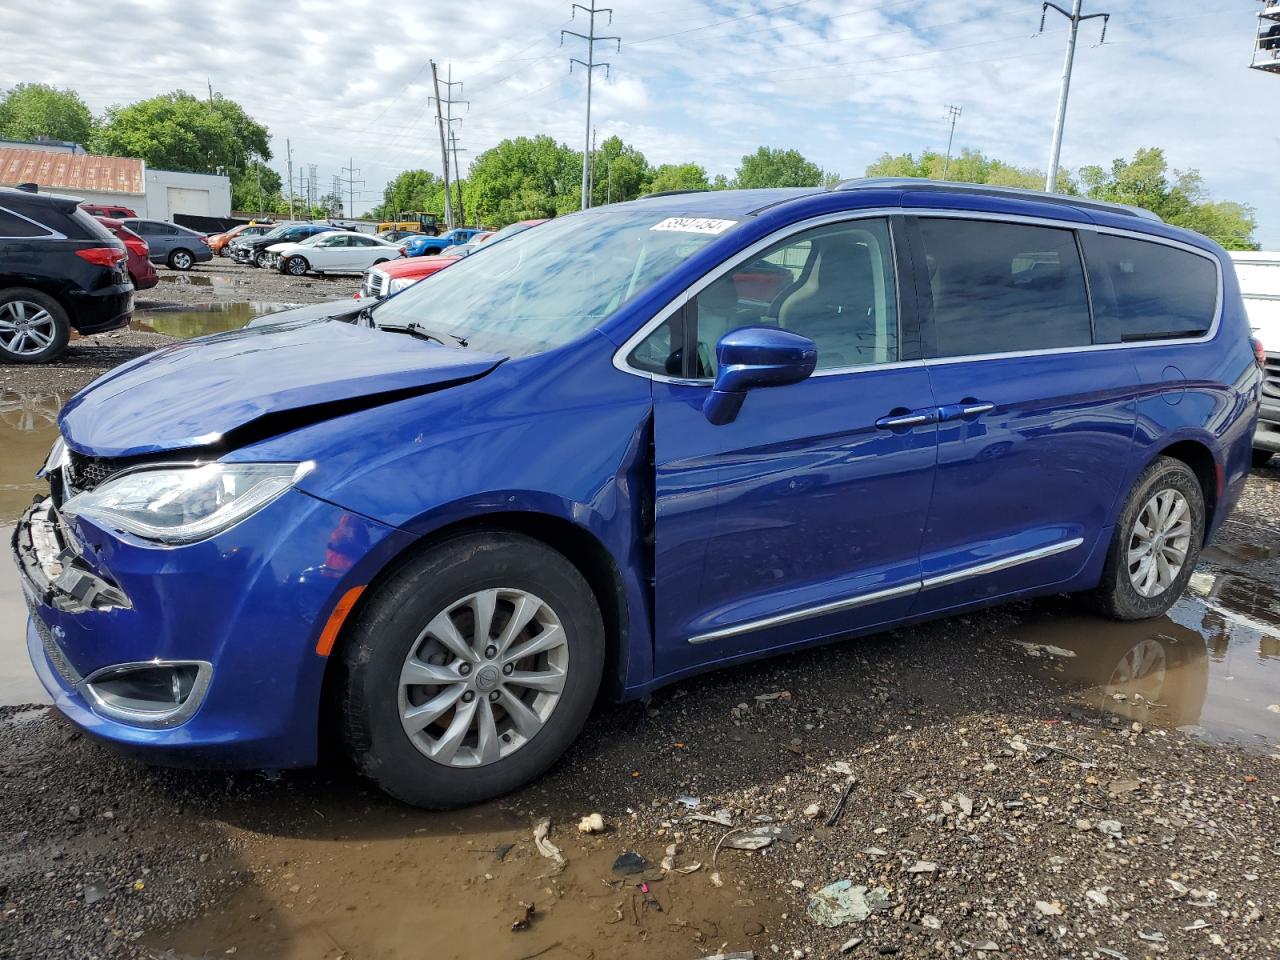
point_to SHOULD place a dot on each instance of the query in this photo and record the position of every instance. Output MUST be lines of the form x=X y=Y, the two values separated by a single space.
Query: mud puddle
x=393 y=883
x=196 y=320
x=1211 y=667
x=28 y=427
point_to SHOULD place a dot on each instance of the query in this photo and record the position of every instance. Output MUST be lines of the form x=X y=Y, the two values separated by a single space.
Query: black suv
x=59 y=269
x=253 y=250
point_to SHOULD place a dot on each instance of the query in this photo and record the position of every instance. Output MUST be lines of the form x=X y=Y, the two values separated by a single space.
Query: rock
x=841 y=902
x=922 y=866
x=629 y=863
x=930 y=922
x=93 y=892
x=1048 y=909
x=593 y=823
x=813 y=811
x=1099 y=897
x=1118 y=788
x=1112 y=828
x=851 y=944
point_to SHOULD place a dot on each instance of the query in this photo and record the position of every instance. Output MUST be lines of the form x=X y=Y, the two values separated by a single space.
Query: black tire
x=181 y=259
x=1261 y=457
x=1116 y=595
x=296 y=266
x=389 y=624
x=34 y=301
x=380 y=260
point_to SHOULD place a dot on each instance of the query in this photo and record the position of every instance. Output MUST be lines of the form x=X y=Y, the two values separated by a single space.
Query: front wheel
x=181 y=260
x=263 y=260
x=1156 y=543
x=296 y=266
x=471 y=670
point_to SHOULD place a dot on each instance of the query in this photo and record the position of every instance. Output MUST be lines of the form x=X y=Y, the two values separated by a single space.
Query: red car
x=108 y=210
x=393 y=276
x=141 y=272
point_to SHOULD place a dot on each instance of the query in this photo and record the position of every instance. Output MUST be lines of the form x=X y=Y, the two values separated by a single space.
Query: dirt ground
x=1028 y=781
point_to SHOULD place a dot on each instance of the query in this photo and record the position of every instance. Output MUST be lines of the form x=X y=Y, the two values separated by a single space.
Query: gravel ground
x=992 y=811
x=221 y=280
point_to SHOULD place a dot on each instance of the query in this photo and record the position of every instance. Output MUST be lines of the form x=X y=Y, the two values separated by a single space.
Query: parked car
x=389 y=278
x=340 y=251
x=220 y=243
x=142 y=274
x=1259 y=274
x=108 y=210
x=254 y=250
x=180 y=248
x=430 y=246
x=581 y=459
x=395 y=235
x=60 y=270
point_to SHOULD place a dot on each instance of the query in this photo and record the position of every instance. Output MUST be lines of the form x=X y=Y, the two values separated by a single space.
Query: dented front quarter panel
x=562 y=434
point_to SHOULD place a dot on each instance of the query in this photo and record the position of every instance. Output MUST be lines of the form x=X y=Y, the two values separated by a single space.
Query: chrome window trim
x=906 y=589
x=49 y=232
x=678 y=302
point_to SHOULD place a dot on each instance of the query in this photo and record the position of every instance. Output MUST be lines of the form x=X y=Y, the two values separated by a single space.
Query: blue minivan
x=634 y=444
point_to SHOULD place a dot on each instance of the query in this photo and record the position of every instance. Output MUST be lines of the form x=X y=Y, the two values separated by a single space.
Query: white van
x=1259 y=274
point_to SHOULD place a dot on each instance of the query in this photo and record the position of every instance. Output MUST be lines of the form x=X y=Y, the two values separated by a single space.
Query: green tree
x=678 y=176
x=1183 y=201
x=620 y=172
x=773 y=167
x=969 y=166
x=32 y=110
x=411 y=190
x=256 y=188
x=522 y=179
x=177 y=131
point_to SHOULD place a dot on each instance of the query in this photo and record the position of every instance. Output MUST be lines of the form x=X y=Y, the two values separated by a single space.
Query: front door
x=802 y=518
x=1036 y=424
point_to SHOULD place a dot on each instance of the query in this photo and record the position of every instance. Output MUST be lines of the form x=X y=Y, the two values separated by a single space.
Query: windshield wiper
x=413 y=330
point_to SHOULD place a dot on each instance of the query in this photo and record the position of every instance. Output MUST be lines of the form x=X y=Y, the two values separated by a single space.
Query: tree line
x=534 y=177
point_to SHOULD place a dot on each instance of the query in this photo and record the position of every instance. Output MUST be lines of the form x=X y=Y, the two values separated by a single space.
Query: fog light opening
x=151 y=694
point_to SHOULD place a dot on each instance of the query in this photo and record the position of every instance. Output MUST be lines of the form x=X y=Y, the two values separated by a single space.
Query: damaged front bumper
x=199 y=655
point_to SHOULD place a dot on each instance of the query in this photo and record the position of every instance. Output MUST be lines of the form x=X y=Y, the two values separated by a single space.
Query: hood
x=232 y=388
x=416 y=266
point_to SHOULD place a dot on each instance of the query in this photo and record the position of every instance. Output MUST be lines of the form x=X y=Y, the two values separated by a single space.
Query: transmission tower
x=311 y=187
x=447 y=120
x=591 y=64
x=350 y=170
x=1266 y=49
x=1076 y=18
x=953 y=112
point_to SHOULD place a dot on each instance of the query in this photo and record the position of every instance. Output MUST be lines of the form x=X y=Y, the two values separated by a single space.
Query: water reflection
x=28 y=426
x=196 y=320
x=1211 y=667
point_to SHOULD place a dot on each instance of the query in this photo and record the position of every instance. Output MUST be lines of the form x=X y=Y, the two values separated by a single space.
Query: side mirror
x=753 y=357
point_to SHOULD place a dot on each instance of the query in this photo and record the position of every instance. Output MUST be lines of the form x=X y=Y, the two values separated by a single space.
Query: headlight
x=399 y=283
x=57 y=457
x=174 y=505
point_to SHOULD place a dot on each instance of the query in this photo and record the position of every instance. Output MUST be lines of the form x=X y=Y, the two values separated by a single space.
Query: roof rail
x=671 y=193
x=986 y=189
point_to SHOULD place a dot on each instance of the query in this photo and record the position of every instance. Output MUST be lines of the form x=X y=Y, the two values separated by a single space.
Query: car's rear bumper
x=107 y=308
x=1267 y=434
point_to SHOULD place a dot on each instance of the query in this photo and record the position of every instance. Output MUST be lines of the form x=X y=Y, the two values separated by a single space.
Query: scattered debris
x=525 y=918
x=503 y=850
x=749 y=955
x=593 y=823
x=545 y=846
x=722 y=817
x=1112 y=828
x=1099 y=897
x=922 y=866
x=841 y=767
x=844 y=799
x=853 y=943
x=1118 y=788
x=1156 y=937
x=1045 y=650
x=691 y=802
x=629 y=862
x=986 y=946
x=841 y=902
x=1048 y=909
x=770 y=697
x=813 y=811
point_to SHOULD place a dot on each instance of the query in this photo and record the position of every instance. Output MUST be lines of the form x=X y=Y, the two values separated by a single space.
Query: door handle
x=901 y=421
x=969 y=408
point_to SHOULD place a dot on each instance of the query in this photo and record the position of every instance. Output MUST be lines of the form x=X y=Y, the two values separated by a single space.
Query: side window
x=833 y=284
x=14 y=225
x=1002 y=288
x=1148 y=291
x=662 y=351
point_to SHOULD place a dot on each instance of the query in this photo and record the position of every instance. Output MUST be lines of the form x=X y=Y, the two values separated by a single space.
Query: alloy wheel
x=26 y=328
x=297 y=266
x=182 y=260
x=1158 y=542
x=483 y=677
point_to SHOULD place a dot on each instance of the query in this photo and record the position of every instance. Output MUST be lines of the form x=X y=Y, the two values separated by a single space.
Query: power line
x=1076 y=18
x=591 y=64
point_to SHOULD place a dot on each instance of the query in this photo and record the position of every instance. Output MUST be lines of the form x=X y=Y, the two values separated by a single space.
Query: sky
x=842 y=81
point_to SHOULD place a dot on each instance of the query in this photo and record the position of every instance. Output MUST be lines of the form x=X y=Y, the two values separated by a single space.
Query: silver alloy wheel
x=297 y=266
x=26 y=328
x=263 y=259
x=483 y=677
x=182 y=260
x=1142 y=670
x=1158 y=542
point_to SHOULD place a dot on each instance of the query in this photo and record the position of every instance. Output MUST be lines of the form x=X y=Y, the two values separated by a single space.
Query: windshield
x=545 y=287
x=277 y=232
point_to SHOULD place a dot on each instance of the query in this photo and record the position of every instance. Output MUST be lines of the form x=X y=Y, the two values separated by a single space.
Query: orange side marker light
x=329 y=635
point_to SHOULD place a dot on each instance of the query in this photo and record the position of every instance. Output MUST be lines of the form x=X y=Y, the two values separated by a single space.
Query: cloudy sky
x=707 y=80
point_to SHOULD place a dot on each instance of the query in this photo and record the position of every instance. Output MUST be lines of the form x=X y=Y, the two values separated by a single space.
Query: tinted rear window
x=15 y=225
x=1148 y=291
x=1003 y=288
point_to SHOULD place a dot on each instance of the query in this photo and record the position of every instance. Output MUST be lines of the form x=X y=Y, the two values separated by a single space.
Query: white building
x=122 y=181
x=1259 y=274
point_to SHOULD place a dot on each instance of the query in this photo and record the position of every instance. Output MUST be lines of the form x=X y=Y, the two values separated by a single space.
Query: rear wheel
x=34 y=328
x=471 y=670
x=1261 y=457
x=1156 y=543
x=182 y=259
x=296 y=266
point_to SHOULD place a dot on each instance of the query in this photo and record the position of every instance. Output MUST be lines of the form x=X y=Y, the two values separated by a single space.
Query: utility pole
x=311 y=187
x=444 y=150
x=449 y=120
x=591 y=64
x=1076 y=18
x=210 y=82
x=288 y=152
x=591 y=185
x=453 y=143
x=351 y=171
x=954 y=113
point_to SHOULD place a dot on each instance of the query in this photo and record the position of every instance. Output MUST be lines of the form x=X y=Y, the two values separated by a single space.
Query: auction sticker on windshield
x=694 y=225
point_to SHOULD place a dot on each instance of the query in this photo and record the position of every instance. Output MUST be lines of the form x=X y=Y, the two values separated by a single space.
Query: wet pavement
x=187 y=321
